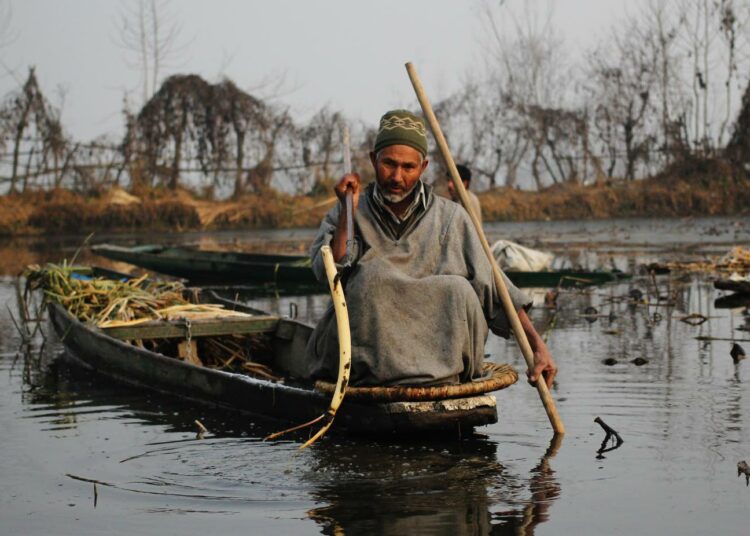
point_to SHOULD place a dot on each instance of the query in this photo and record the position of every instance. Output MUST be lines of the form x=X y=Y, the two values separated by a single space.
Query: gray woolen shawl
x=419 y=305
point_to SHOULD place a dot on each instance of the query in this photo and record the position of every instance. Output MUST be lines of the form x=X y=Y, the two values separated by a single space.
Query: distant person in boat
x=420 y=291
x=465 y=174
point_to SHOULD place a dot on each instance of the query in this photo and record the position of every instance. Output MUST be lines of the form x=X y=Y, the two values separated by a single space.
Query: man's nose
x=397 y=174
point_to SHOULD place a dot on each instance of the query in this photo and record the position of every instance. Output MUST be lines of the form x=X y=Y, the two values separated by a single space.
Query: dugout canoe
x=230 y=268
x=382 y=411
x=207 y=267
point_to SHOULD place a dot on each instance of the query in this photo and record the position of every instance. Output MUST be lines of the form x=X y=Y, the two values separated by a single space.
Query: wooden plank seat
x=203 y=327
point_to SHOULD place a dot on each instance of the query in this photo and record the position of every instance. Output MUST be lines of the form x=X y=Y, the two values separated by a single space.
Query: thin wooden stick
x=510 y=311
x=345 y=353
x=345 y=342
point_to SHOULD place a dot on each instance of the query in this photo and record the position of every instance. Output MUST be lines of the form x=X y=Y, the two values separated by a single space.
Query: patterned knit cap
x=401 y=127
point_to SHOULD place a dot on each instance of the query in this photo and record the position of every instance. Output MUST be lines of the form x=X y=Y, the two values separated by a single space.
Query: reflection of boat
x=279 y=345
x=218 y=267
x=732 y=301
x=741 y=293
x=441 y=490
x=740 y=286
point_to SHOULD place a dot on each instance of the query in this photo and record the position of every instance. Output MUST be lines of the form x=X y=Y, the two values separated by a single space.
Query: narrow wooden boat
x=223 y=267
x=227 y=268
x=144 y=355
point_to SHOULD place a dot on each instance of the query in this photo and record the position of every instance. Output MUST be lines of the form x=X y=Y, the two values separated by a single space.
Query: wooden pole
x=510 y=311
x=349 y=199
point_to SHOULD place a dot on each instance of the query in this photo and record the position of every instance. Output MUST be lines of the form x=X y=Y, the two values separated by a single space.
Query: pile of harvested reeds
x=737 y=260
x=108 y=302
x=239 y=353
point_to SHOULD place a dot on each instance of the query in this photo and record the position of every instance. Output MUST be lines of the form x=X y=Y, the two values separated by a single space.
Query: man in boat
x=419 y=288
x=465 y=174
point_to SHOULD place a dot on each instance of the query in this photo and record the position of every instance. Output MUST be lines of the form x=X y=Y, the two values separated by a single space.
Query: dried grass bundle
x=108 y=302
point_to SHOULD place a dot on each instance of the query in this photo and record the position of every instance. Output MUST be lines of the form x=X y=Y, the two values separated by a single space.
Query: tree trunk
x=17 y=143
x=239 y=186
x=629 y=156
x=174 y=179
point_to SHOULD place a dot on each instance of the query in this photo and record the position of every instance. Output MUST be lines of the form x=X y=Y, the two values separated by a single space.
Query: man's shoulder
x=443 y=204
x=448 y=208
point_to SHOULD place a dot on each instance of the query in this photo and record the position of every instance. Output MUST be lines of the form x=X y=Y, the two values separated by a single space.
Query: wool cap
x=401 y=127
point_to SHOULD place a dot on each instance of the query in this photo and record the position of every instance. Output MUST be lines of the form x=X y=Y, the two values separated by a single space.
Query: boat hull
x=227 y=268
x=214 y=266
x=289 y=402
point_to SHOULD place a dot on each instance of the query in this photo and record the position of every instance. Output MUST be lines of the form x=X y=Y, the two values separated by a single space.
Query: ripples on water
x=679 y=403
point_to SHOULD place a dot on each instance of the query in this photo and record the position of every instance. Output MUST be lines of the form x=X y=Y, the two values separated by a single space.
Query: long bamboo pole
x=510 y=311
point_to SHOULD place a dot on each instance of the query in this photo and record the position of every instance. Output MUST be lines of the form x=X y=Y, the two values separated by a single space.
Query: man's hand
x=543 y=362
x=348 y=182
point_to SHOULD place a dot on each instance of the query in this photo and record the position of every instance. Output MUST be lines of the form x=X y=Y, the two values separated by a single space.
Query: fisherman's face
x=397 y=170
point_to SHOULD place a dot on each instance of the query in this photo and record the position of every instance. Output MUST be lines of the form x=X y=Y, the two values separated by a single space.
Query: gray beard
x=396 y=198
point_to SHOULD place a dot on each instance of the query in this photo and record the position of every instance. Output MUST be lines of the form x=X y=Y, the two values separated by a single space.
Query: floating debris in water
x=694 y=319
x=611 y=434
x=635 y=294
x=202 y=430
x=738 y=353
x=639 y=361
x=590 y=314
x=609 y=361
x=736 y=260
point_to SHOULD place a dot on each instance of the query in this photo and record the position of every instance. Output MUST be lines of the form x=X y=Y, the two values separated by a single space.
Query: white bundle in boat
x=512 y=256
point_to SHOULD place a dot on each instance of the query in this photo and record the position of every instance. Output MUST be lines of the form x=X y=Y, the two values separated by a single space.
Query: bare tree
x=494 y=122
x=7 y=36
x=191 y=120
x=322 y=141
x=6 y=22
x=150 y=32
x=623 y=83
x=33 y=127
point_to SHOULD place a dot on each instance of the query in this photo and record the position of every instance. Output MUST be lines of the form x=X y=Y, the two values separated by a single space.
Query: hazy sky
x=348 y=54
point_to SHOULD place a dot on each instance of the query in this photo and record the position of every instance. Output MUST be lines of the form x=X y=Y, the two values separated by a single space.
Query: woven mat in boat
x=500 y=377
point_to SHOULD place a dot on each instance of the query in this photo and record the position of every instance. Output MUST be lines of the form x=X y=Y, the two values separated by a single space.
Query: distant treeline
x=665 y=87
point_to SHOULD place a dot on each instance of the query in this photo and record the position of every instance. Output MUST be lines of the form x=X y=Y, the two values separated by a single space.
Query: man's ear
x=424 y=165
x=373 y=159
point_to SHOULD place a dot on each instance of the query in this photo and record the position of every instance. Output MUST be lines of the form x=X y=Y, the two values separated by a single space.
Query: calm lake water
x=680 y=404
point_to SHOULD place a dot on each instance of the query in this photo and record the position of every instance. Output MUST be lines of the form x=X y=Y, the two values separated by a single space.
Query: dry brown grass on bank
x=709 y=190
x=62 y=211
x=653 y=197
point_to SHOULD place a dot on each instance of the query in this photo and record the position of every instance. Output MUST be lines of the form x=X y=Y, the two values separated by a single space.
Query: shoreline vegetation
x=700 y=188
x=635 y=126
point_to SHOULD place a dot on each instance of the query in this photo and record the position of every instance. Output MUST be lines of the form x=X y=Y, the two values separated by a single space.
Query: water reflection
x=682 y=411
x=451 y=489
